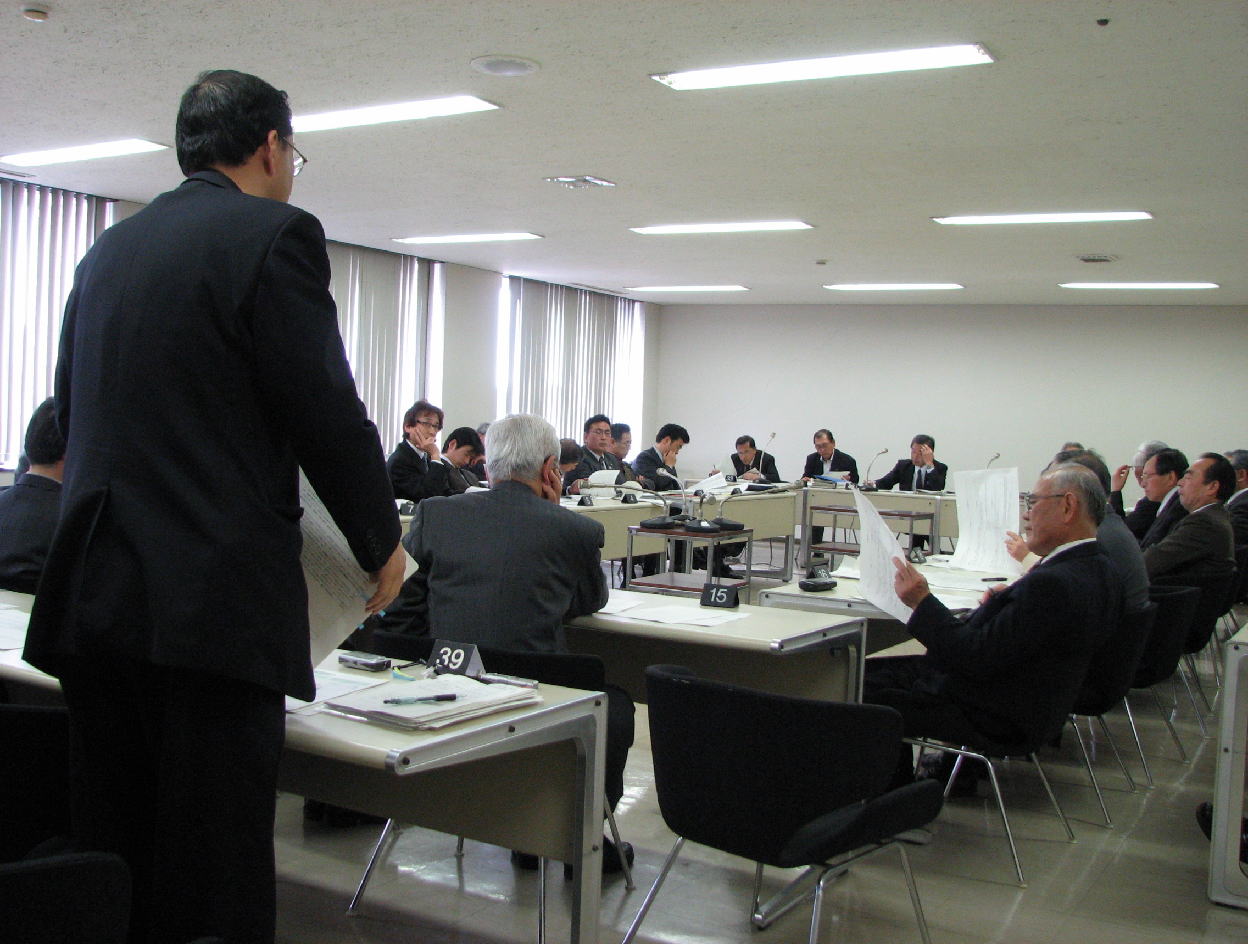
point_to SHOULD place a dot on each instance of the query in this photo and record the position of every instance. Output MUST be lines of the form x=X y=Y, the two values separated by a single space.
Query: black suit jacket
x=1237 y=508
x=1200 y=546
x=902 y=475
x=766 y=468
x=652 y=473
x=1140 y=518
x=841 y=462
x=1015 y=664
x=28 y=514
x=413 y=477
x=200 y=368
x=503 y=568
x=1164 y=522
x=590 y=464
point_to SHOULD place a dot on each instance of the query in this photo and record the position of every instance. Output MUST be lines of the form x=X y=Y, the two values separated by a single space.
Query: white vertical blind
x=572 y=353
x=44 y=232
x=383 y=301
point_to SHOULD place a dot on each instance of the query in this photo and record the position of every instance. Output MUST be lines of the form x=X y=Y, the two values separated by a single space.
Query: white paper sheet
x=335 y=685
x=617 y=604
x=710 y=483
x=683 y=614
x=878 y=547
x=12 y=627
x=987 y=508
x=337 y=588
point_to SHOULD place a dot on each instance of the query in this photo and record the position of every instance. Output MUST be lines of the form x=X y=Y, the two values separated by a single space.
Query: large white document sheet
x=337 y=588
x=987 y=508
x=878 y=547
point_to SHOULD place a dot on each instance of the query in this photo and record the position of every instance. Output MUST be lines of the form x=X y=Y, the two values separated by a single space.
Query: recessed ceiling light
x=1115 y=216
x=687 y=288
x=872 y=63
x=466 y=238
x=1140 y=285
x=762 y=226
x=894 y=286
x=383 y=114
x=83 y=152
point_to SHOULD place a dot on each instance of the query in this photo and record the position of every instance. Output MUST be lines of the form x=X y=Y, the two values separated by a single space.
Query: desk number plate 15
x=456 y=658
x=726 y=597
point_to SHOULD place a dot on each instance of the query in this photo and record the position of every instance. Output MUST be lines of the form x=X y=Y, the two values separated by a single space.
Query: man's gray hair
x=1146 y=451
x=1238 y=458
x=519 y=445
x=1081 y=482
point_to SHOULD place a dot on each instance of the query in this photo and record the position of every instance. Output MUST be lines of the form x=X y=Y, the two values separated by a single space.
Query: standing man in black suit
x=1009 y=671
x=921 y=472
x=415 y=467
x=1201 y=545
x=826 y=459
x=30 y=509
x=200 y=368
x=1160 y=479
x=1237 y=504
x=596 y=455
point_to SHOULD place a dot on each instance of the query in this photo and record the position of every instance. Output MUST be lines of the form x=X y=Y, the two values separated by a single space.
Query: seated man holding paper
x=751 y=465
x=1009 y=671
x=506 y=568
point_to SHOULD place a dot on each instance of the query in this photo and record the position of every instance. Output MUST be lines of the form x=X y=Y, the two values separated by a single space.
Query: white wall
x=980 y=379
x=469 y=345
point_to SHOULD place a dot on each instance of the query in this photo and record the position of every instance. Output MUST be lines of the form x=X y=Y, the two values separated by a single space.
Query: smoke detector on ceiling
x=35 y=11
x=1096 y=257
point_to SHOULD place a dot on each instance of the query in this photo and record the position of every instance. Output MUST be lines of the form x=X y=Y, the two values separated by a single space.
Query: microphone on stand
x=995 y=457
x=762 y=454
x=867 y=478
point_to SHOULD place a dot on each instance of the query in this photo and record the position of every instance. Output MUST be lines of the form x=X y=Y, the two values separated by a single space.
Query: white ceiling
x=1147 y=112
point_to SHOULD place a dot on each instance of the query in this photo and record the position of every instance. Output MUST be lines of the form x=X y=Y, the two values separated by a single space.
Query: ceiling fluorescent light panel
x=763 y=226
x=384 y=114
x=82 y=152
x=465 y=238
x=687 y=288
x=1112 y=216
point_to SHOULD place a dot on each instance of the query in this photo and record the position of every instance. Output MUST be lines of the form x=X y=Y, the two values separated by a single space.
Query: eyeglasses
x=436 y=427
x=1029 y=501
x=299 y=161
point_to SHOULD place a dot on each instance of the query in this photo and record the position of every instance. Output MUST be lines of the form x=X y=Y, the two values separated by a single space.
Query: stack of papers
x=473 y=699
x=12 y=627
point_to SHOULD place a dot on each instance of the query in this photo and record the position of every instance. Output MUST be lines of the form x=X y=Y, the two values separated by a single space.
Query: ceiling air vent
x=1096 y=257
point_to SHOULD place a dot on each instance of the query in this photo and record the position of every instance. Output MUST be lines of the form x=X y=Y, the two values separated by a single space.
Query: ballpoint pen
x=416 y=701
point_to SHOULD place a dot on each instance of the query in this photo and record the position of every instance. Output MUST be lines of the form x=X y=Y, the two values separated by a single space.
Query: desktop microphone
x=995 y=457
x=867 y=478
x=667 y=520
x=762 y=453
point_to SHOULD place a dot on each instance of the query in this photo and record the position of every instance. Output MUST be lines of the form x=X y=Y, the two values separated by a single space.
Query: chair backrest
x=1114 y=664
x=1241 y=567
x=83 y=897
x=1214 y=590
x=570 y=670
x=740 y=770
x=34 y=789
x=1175 y=608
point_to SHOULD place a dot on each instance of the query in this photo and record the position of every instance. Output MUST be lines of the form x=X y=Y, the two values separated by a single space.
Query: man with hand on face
x=1140 y=518
x=1009 y=670
x=656 y=466
x=1160 y=479
x=921 y=472
x=416 y=468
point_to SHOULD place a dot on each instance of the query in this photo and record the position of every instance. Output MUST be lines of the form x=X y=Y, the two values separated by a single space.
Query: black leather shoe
x=610 y=859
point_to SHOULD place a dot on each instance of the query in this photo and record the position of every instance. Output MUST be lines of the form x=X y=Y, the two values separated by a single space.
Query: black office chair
x=1162 y=654
x=1238 y=592
x=567 y=670
x=782 y=781
x=1107 y=682
x=1214 y=591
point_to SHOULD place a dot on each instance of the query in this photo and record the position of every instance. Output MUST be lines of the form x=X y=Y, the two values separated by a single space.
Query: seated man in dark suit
x=1009 y=671
x=415 y=466
x=460 y=450
x=1140 y=518
x=596 y=456
x=1237 y=504
x=506 y=568
x=825 y=460
x=656 y=466
x=1160 y=479
x=30 y=509
x=1202 y=544
x=921 y=472
x=751 y=465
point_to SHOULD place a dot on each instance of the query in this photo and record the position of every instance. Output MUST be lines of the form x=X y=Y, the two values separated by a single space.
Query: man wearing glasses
x=1160 y=480
x=416 y=468
x=200 y=368
x=596 y=455
x=1009 y=671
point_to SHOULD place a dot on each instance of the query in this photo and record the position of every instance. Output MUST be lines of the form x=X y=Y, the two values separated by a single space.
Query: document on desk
x=617 y=604
x=465 y=699
x=687 y=615
x=878 y=548
x=987 y=508
x=12 y=627
x=337 y=588
x=710 y=483
x=331 y=685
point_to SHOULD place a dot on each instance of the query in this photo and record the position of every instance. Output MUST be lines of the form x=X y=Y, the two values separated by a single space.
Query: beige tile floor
x=1142 y=882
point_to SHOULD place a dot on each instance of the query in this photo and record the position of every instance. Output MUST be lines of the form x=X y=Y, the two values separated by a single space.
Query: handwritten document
x=337 y=587
x=875 y=560
x=987 y=508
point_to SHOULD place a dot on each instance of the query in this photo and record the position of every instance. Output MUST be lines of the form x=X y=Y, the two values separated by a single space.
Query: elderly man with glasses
x=1009 y=671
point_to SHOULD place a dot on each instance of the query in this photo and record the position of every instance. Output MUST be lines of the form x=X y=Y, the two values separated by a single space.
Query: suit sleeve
x=888 y=481
x=935 y=481
x=769 y=471
x=1188 y=541
x=413 y=482
x=1005 y=633
x=306 y=384
x=1115 y=502
x=812 y=467
x=590 y=592
x=1239 y=521
x=853 y=470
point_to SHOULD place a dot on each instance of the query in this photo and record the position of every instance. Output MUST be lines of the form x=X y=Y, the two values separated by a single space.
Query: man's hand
x=389 y=579
x=552 y=484
x=669 y=458
x=1120 y=478
x=991 y=591
x=926 y=455
x=1015 y=546
x=752 y=474
x=910 y=585
x=427 y=442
